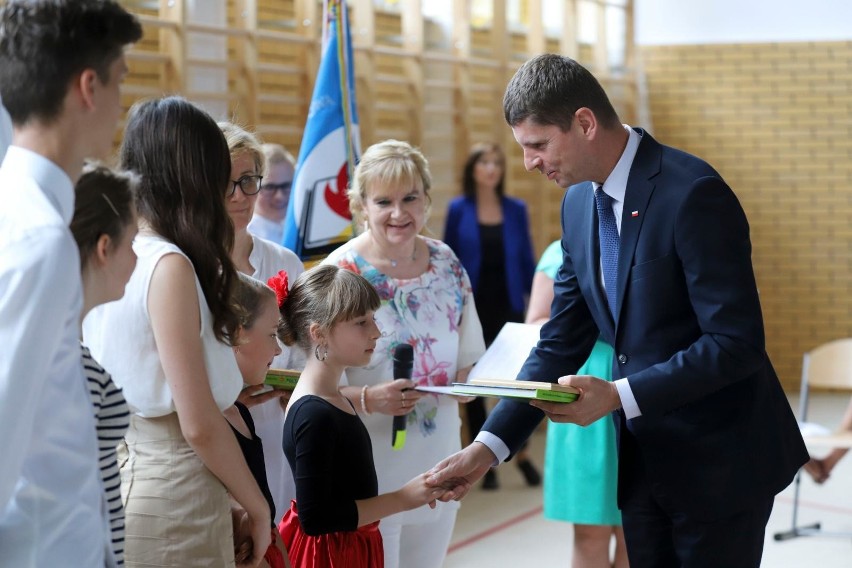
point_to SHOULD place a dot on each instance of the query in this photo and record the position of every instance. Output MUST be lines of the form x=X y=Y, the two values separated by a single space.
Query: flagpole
x=318 y=216
x=325 y=25
x=343 y=62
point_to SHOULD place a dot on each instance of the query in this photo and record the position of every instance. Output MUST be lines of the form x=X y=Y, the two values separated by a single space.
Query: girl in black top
x=334 y=520
x=255 y=345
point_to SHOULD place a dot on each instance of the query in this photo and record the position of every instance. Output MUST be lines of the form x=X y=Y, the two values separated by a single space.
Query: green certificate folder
x=549 y=392
x=282 y=378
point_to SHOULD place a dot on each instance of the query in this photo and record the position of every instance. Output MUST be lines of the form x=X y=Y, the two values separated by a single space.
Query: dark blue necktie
x=608 y=235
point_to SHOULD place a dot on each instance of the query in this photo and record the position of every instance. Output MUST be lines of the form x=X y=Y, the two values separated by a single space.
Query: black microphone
x=403 y=364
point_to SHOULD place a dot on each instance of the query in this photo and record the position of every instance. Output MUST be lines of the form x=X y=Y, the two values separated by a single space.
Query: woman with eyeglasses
x=274 y=197
x=261 y=259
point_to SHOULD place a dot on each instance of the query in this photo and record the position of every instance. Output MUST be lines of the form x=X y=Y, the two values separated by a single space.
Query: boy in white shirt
x=61 y=65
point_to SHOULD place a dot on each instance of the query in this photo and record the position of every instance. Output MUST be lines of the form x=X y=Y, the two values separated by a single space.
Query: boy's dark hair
x=103 y=205
x=44 y=44
x=549 y=89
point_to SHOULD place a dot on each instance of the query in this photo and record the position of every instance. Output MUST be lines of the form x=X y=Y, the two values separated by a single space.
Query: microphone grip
x=398 y=426
x=403 y=364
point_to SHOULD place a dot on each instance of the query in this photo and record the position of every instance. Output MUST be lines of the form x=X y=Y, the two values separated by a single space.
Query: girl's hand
x=242 y=534
x=261 y=537
x=417 y=492
x=284 y=399
x=396 y=398
x=249 y=398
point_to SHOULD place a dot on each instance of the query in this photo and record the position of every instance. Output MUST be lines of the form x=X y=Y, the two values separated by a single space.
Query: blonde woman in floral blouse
x=427 y=302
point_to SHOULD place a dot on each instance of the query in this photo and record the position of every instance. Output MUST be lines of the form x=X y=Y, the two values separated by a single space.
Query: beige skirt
x=177 y=513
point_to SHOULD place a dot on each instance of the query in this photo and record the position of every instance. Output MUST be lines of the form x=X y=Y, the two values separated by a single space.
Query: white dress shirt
x=615 y=186
x=50 y=490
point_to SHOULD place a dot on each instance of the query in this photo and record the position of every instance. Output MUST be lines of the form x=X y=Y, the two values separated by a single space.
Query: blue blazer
x=461 y=233
x=716 y=430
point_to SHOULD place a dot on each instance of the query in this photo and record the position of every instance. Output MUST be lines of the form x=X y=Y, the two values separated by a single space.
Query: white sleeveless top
x=120 y=337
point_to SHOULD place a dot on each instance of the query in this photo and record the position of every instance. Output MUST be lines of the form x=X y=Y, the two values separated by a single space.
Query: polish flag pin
x=634 y=214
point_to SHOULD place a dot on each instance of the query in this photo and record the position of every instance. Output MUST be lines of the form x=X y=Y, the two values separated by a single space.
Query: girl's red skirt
x=361 y=548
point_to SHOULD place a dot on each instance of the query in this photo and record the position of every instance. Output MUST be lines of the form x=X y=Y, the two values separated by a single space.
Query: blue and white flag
x=318 y=218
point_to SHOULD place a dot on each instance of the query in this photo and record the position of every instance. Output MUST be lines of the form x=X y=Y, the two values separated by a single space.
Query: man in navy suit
x=706 y=435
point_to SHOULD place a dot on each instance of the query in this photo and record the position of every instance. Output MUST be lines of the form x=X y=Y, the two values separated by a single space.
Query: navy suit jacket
x=716 y=430
x=461 y=233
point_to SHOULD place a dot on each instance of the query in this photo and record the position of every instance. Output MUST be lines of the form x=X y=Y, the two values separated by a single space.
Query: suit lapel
x=646 y=165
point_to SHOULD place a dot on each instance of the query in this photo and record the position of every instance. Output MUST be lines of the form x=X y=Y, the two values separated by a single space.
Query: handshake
x=450 y=480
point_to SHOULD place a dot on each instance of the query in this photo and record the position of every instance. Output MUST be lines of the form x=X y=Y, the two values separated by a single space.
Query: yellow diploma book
x=282 y=378
x=550 y=392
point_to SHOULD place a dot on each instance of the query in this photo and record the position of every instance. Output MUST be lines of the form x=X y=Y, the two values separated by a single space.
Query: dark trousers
x=660 y=536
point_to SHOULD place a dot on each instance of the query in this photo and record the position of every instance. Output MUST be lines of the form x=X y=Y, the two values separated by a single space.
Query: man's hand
x=597 y=398
x=460 y=471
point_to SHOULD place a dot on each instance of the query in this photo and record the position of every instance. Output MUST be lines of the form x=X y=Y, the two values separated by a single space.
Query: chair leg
x=806 y=530
x=795 y=530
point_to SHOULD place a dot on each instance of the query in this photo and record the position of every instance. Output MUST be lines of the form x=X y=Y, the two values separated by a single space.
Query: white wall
x=659 y=22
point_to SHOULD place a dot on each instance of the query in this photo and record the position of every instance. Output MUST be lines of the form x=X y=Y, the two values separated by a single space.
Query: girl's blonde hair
x=241 y=140
x=324 y=295
x=249 y=297
x=391 y=163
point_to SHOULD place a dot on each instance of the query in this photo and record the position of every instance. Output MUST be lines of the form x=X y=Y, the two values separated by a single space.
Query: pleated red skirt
x=360 y=548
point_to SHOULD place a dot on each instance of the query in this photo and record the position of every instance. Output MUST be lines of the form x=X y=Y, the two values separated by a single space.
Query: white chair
x=827 y=367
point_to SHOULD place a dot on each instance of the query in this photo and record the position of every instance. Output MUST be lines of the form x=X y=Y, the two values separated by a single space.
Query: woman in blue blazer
x=490 y=234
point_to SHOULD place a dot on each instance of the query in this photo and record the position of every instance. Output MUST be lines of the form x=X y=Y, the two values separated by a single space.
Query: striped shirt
x=112 y=418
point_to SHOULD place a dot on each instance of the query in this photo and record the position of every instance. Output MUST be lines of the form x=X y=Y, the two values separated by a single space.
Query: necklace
x=412 y=258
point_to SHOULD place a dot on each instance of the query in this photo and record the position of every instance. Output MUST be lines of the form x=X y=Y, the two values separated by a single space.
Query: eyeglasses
x=249 y=185
x=276 y=187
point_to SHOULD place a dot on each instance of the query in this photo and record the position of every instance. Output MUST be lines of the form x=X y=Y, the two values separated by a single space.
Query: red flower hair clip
x=280 y=284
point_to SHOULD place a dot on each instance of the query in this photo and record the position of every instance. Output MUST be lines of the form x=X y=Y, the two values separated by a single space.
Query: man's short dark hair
x=549 y=88
x=44 y=44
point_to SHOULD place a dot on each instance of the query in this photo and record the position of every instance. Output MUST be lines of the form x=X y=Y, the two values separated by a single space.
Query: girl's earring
x=319 y=357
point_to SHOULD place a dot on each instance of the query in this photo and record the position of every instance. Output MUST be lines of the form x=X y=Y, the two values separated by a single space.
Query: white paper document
x=435 y=389
x=505 y=357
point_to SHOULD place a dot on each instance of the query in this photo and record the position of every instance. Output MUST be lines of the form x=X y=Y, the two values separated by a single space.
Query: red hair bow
x=280 y=284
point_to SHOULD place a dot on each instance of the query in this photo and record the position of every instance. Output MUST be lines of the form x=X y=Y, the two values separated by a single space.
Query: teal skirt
x=580 y=463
